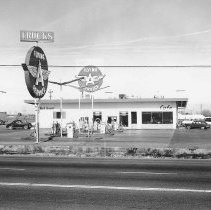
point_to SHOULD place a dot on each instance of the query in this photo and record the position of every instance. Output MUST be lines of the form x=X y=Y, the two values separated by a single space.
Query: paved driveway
x=180 y=138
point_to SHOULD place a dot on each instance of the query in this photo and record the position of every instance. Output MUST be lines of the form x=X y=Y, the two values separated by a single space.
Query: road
x=64 y=183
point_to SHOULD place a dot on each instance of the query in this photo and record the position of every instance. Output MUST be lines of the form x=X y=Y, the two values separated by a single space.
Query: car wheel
x=25 y=127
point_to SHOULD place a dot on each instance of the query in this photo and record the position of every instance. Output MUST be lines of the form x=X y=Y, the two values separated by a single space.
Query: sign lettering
x=36 y=36
x=168 y=107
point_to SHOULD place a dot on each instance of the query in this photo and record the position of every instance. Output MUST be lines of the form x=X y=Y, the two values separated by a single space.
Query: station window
x=146 y=117
x=157 y=117
x=123 y=119
x=57 y=115
x=167 y=117
x=133 y=117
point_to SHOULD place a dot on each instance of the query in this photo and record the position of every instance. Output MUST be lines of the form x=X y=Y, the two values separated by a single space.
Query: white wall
x=46 y=116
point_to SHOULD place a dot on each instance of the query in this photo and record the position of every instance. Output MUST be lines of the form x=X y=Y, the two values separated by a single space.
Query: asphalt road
x=62 y=183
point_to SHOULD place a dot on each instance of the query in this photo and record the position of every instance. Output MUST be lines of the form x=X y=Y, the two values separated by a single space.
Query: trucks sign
x=36 y=36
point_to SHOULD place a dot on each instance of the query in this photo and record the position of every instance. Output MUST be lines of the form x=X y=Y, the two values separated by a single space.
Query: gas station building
x=131 y=113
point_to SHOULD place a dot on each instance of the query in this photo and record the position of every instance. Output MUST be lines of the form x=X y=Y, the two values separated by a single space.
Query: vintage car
x=2 y=122
x=208 y=120
x=196 y=124
x=19 y=124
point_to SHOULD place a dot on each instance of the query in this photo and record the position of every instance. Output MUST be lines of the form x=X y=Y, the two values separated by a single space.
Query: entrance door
x=112 y=119
x=97 y=117
x=123 y=119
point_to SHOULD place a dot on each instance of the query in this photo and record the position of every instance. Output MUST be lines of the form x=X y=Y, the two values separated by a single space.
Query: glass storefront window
x=57 y=115
x=123 y=119
x=133 y=117
x=167 y=117
x=157 y=117
x=146 y=117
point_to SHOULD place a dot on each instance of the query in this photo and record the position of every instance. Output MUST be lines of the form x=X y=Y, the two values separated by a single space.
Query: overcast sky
x=110 y=32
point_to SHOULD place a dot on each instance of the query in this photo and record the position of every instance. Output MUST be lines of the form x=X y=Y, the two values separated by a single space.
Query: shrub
x=168 y=152
x=107 y=152
x=131 y=151
x=38 y=149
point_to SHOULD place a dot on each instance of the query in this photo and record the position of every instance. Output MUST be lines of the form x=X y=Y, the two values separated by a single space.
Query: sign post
x=37 y=110
x=36 y=68
x=36 y=78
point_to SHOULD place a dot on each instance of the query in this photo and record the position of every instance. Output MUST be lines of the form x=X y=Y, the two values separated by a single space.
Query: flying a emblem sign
x=92 y=79
x=36 y=72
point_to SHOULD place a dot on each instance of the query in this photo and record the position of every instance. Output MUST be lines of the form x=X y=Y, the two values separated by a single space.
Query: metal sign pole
x=92 y=101
x=61 y=109
x=37 y=119
x=92 y=111
x=79 y=101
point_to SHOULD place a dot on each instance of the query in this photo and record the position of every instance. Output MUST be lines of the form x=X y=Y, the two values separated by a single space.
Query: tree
x=206 y=112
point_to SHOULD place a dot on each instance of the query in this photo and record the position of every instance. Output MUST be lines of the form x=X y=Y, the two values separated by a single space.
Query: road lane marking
x=106 y=187
x=13 y=169
x=144 y=172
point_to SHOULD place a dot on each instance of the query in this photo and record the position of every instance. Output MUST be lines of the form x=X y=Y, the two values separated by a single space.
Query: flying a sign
x=36 y=72
x=92 y=79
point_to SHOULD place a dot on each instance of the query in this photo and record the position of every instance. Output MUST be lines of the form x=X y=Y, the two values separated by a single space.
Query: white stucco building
x=139 y=113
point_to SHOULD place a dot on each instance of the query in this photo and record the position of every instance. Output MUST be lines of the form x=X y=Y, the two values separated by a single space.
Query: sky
x=110 y=32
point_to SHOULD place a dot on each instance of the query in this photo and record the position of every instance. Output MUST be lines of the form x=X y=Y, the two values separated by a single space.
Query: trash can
x=70 y=131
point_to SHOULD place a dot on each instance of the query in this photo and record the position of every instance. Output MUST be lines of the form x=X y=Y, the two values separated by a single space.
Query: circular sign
x=92 y=79
x=36 y=72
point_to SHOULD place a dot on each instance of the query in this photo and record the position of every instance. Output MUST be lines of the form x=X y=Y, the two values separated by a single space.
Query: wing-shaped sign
x=92 y=79
x=36 y=72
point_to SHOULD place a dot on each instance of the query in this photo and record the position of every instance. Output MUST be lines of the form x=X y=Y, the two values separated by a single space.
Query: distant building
x=3 y=116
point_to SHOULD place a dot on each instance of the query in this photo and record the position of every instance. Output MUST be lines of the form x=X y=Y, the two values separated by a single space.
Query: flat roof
x=114 y=100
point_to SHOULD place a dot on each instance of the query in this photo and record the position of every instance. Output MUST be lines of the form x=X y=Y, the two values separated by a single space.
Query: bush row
x=115 y=152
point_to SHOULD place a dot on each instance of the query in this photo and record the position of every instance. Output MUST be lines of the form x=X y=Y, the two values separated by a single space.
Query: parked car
x=197 y=124
x=2 y=122
x=19 y=124
x=208 y=120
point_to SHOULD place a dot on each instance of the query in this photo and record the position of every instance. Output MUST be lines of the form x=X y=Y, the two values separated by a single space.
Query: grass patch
x=116 y=152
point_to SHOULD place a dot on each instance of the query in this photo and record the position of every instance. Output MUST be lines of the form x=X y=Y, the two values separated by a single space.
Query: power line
x=118 y=66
